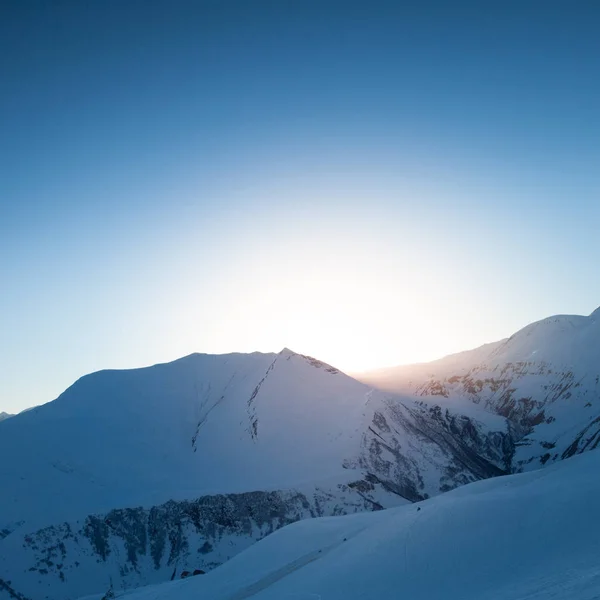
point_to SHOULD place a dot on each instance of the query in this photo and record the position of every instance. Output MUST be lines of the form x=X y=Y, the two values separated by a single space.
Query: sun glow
x=358 y=303
x=354 y=328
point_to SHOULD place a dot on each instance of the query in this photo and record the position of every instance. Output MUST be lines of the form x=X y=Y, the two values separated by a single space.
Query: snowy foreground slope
x=138 y=475
x=530 y=536
x=545 y=379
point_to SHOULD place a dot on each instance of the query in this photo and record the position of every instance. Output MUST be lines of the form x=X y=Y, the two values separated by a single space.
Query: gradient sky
x=370 y=183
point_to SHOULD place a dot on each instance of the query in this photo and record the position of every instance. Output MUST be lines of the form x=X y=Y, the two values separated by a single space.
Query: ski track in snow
x=275 y=576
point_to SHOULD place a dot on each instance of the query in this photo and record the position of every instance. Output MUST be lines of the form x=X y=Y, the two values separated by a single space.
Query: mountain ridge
x=545 y=379
x=225 y=449
x=190 y=438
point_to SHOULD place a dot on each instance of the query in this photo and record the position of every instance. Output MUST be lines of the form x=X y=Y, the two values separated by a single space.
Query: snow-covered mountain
x=135 y=476
x=529 y=536
x=545 y=379
x=4 y=415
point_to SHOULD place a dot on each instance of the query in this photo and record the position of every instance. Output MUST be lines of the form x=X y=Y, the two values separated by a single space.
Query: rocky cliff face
x=129 y=547
x=555 y=412
x=545 y=380
x=420 y=449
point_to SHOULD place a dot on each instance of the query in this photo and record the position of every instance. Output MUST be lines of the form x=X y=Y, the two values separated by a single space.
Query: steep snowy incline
x=545 y=379
x=200 y=425
x=138 y=475
x=531 y=536
x=118 y=438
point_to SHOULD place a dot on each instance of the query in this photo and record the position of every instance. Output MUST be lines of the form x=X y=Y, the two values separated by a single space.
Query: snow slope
x=113 y=433
x=545 y=379
x=200 y=425
x=132 y=475
x=529 y=536
x=135 y=476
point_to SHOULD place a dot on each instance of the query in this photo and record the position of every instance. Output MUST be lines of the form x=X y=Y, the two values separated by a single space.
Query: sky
x=370 y=183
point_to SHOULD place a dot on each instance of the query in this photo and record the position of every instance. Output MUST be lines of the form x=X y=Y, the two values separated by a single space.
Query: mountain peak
x=287 y=352
x=596 y=314
x=314 y=362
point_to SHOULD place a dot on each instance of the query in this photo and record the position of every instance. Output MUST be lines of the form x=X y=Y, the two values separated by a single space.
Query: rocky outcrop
x=418 y=450
x=129 y=547
x=554 y=413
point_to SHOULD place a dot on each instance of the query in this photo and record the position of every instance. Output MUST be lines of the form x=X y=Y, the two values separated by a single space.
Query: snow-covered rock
x=528 y=536
x=545 y=379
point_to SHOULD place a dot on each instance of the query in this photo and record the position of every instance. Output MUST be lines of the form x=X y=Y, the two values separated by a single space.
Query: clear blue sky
x=371 y=183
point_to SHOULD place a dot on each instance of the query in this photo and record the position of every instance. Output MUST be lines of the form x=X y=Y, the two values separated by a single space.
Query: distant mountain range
x=4 y=415
x=137 y=476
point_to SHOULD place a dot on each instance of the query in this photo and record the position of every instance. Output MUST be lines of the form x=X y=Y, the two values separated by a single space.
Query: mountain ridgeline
x=544 y=379
x=135 y=477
